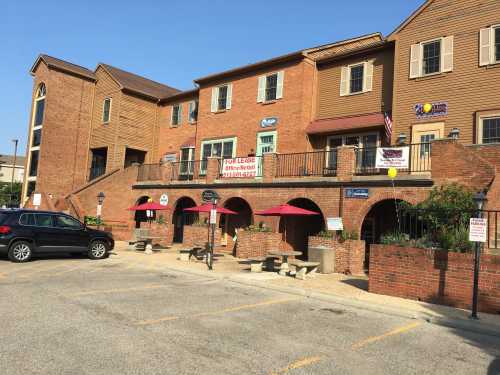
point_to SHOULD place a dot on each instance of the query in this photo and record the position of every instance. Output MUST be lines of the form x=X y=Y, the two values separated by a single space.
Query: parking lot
x=128 y=315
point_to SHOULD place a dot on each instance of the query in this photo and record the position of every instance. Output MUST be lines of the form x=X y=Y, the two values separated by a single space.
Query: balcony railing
x=317 y=163
x=188 y=170
x=241 y=167
x=419 y=160
x=149 y=172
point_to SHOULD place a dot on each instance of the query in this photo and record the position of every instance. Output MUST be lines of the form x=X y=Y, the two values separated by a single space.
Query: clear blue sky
x=172 y=41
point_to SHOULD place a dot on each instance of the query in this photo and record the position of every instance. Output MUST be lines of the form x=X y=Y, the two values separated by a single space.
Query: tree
x=8 y=199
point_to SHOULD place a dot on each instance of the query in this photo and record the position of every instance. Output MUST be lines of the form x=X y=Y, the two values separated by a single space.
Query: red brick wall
x=256 y=244
x=349 y=255
x=194 y=234
x=434 y=276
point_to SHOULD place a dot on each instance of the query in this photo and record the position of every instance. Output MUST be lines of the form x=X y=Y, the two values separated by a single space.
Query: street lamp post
x=16 y=141
x=479 y=200
x=100 y=201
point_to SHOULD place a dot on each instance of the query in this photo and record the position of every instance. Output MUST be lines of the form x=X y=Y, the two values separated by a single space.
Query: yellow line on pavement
x=218 y=312
x=118 y=290
x=394 y=332
x=298 y=364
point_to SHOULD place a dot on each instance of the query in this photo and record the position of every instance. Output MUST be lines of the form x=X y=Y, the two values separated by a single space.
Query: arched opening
x=181 y=218
x=141 y=216
x=381 y=219
x=230 y=224
x=299 y=228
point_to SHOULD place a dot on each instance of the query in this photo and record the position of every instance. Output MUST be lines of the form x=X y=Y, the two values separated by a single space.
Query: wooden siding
x=468 y=88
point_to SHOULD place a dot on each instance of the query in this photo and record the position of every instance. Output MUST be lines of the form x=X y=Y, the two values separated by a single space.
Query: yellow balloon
x=392 y=173
x=427 y=107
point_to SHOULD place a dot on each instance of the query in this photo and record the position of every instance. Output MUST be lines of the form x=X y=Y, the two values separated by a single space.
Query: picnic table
x=284 y=268
x=148 y=242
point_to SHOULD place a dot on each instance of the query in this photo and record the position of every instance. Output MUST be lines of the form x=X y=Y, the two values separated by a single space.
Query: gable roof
x=409 y=19
x=139 y=85
x=64 y=66
x=9 y=160
x=343 y=46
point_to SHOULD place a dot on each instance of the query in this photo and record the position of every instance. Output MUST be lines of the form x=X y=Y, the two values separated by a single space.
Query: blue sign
x=357 y=193
x=438 y=109
x=268 y=122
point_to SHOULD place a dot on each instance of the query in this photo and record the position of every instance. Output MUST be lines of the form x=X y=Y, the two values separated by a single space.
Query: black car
x=25 y=232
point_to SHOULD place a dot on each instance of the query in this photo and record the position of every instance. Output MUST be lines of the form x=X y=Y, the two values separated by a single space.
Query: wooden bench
x=257 y=263
x=304 y=269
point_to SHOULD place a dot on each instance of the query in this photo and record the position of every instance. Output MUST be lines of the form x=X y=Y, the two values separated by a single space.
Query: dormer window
x=106 y=110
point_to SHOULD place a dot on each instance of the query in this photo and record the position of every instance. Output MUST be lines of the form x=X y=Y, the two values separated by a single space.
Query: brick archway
x=179 y=218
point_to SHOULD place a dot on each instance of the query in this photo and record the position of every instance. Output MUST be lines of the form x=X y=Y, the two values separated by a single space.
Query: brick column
x=166 y=172
x=346 y=163
x=268 y=167
x=213 y=170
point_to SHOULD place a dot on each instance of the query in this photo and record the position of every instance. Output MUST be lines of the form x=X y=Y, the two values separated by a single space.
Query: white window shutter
x=229 y=96
x=261 y=92
x=190 y=111
x=368 y=76
x=279 y=88
x=485 y=46
x=172 y=115
x=415 y=61
x=215 y=98
x=447 y=54
x=180 y=114
x=344 y=81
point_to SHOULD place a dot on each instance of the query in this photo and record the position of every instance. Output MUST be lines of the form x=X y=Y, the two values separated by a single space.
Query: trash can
x=325 y=256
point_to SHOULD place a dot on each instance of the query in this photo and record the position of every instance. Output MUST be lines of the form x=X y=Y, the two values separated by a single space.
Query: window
x=489 y=46
x=34 y=164
x=270 y=87
x=30 y=188
x=67 y=222
x=425 y=144
x=193 y=111
x=221 y=148
x=356 y=79
x=497 y=44
x=37 y=138
x=106 y=110
x=43 y=220
x=176 y=115
x=431 y=57
x=27 y=219
x=186 y=161
x=491 y=130
x=222 y=97
x=39 y=112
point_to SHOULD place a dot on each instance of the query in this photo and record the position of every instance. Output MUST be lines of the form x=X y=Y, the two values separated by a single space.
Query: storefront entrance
x=181 y=218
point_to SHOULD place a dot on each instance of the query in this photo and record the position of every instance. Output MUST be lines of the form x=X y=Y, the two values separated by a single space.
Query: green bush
x=326 y=234
x=395 y=238
x=261 y=227
x=92 y=220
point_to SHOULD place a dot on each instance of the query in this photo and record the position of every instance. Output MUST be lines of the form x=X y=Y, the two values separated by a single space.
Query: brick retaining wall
x=349 y=255
x=255 y=244
x=434 y=276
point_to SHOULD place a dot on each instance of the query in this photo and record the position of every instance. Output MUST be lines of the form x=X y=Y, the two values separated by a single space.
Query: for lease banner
x=395 y=157
x=240 y=167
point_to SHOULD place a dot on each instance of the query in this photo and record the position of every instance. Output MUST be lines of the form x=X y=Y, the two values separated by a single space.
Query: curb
x=462 y=324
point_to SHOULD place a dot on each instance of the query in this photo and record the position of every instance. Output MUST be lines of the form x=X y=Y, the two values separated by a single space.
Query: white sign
x=396 y=157
x=149 y=213
x=99 y=210
x=37 y=199
x=240 y=167
x=213 y=216
x=164 y=199
x=335 y=223
x=478 y=230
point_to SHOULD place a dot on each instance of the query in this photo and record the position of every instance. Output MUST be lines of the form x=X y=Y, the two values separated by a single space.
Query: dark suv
x=25 y=232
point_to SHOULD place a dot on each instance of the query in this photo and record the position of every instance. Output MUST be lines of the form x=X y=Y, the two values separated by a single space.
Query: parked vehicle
x=26 y=232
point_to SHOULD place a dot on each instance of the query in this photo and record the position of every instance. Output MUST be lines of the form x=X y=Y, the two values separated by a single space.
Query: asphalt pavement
x=65 y=315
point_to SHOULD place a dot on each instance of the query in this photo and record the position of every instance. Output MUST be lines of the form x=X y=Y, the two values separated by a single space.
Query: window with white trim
x=489 y=45
x=356 y=78
x=106 y=110
x=222 y=97
x=193 y=111
x=431 y=57
x=175 y=119
x=219 y=148
x=270 y=87
x=490 y=130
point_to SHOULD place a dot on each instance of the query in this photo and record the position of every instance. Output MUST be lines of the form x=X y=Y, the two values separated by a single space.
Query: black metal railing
x=96 y=172
x=188 y=170
x=316 y=163
x=254 y=167
x=149 y=172
x=419 y=160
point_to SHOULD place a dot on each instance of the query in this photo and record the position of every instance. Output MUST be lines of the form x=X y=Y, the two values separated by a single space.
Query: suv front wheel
x=98 y=250
x=20 y=252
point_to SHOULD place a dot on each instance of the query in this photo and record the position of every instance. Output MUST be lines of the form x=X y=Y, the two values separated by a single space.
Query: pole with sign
x=213 y=197
x=478 y=230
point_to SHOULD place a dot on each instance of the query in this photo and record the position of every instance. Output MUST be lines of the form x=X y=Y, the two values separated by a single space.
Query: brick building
x=312 y=119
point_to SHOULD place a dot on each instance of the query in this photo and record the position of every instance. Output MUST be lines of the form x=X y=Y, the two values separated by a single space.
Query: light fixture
x=100 y=198
x=480 y=199
x=455 y=133
x=402 y=139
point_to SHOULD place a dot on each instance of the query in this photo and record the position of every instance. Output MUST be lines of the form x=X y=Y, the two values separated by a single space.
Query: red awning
x=285 y=210
x=207 y=207
x=339 y=124
x=151 y=206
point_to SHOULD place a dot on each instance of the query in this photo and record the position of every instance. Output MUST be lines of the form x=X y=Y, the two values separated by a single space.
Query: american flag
x=388 y=126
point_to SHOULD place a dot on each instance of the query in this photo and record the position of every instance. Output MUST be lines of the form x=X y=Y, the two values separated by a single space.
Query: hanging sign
x=99 y=210
x=164 y=199
x=334 y=223
x=213 y=216
x=240 y=167
x=209 y=196
x=356 y=193
x=268 y=122
x=426 y=110
x=478 y=230
x=396 y=157
x=37 y=199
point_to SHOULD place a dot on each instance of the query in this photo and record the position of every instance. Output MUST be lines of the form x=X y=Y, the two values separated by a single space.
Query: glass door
x=266 y=143
x=186 y=166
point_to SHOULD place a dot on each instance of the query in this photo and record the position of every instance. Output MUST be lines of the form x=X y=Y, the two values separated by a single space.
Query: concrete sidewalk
x=337 y=288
